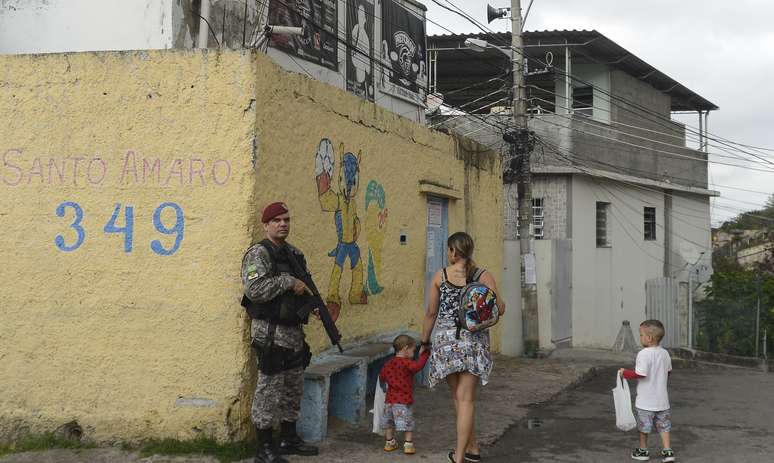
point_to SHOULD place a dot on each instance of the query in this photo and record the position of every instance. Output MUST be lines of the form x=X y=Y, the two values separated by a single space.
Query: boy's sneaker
x=640 y=454
x=408 y=448
x=667 y=455
x=390 y=445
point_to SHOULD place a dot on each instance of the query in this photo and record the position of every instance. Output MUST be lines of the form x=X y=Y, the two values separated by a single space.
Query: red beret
x=273 y=210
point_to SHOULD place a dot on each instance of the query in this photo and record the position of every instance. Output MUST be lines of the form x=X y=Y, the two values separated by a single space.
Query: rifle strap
x=271 y=330
x=271 y=249
x=300 y=270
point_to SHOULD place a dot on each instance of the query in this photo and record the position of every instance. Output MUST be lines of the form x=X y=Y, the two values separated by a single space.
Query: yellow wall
x=137 y=344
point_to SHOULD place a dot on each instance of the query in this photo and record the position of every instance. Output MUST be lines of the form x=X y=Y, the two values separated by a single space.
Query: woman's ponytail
x=463 y=245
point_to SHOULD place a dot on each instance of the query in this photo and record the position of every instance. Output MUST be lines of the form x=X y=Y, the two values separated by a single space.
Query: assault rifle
x=315 y=301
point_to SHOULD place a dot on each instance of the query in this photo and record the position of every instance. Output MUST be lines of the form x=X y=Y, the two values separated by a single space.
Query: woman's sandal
x=472 y=457
x=450 y=456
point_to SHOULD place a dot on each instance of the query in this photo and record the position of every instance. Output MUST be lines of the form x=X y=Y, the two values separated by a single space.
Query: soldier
x=272 y=296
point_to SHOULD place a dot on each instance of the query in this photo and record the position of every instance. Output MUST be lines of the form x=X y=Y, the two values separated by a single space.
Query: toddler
x=398 y=374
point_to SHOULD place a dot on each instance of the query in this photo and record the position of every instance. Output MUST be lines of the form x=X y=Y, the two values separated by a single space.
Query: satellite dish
x=493 y=13
x=433 y=101
x=689 y=252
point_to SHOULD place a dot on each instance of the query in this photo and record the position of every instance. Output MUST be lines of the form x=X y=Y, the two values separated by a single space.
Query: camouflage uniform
x=277 y=396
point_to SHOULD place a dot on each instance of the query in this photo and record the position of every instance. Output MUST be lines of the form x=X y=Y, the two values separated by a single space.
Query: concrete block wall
x=553 y=189
x=642 y=94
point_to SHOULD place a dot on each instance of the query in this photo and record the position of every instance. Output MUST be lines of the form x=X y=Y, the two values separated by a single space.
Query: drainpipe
x=690 y=309
x=567 y=84
x=204 y=28
x=701 y=132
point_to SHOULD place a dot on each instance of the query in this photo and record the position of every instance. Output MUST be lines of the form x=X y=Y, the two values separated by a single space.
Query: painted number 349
x=127 y=229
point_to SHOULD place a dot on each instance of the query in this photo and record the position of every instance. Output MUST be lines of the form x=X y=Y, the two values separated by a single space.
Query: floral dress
x=451 y=355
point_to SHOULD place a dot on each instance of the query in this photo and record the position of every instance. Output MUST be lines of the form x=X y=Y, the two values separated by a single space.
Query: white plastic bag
x=624 y=417
x=378 y=410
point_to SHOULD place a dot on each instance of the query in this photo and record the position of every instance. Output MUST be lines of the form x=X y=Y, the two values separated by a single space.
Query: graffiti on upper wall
x=130 y=168
x=340 y=198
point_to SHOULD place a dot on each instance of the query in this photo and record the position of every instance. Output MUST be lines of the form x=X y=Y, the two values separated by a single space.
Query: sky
x=722 y=50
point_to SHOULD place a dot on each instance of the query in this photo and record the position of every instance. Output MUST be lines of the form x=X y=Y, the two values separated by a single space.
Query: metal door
x=561 y=287
x=661 y=304
x=437 y=232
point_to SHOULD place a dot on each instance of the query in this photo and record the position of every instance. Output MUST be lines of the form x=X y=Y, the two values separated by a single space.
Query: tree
x=729 y=312
x=770 y=203
x=753 y=220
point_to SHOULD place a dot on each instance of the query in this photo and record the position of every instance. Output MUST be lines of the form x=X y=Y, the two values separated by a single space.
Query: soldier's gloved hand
x=299 y=288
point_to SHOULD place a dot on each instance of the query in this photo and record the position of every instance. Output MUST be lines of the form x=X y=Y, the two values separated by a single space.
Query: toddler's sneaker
x=408 y=448
x=667 y=455
x=640 y=454
x=390 y=445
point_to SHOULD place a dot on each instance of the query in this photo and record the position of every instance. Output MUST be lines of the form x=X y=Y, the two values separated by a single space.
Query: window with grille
x=583 y=101
x=650 y=223
x=603 y=236
x=538 y=216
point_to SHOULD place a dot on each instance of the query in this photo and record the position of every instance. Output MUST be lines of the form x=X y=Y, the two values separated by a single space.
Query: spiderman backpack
x=477 y=310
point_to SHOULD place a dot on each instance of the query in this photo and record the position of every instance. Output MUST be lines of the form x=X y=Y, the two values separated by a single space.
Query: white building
x=621 y=210
x=385 y=65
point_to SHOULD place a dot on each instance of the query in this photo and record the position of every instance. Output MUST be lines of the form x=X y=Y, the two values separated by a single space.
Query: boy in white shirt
x=652 y=369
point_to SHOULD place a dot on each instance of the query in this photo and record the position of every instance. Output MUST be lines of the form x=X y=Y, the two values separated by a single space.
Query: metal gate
x=561 y=289
x=661 y=304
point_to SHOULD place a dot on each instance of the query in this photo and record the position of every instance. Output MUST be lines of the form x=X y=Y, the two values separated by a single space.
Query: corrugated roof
x=600 y=49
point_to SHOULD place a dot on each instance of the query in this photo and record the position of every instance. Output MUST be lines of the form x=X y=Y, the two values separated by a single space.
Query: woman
x=465 y=360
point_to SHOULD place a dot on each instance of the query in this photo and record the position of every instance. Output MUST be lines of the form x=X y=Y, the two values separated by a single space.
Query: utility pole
x=690 y=308
x=204 y=26
x=521 y=147
x=758 y=318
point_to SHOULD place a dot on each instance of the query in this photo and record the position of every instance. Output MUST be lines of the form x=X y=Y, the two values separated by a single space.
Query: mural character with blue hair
x=343 y=205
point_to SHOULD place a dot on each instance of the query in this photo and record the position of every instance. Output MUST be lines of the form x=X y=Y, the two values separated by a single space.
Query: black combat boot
x=291 y=443
x=265 y=452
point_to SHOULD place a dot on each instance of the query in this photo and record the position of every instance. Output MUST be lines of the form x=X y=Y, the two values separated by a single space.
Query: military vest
x=283 y=309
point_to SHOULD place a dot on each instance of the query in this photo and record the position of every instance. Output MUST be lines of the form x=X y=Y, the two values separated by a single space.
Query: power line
x=339 y=31
x=689 y=136
x=558 y=150
x=526 y=15
x=587 y=121
x=476 y=109
x=574 y=161
x=638 y=172
x=364 y=57
x=652 y=112
x=636 y=211
x=656 y=151
x=491 y=33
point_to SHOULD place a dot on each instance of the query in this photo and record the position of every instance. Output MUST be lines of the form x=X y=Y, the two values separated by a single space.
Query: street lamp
x=479 y=45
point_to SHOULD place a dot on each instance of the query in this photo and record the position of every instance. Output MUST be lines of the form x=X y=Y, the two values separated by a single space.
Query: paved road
x=719 y=415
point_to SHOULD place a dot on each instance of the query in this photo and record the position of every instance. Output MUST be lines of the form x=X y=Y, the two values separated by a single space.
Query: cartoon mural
x=342 y=203
x=376 y=217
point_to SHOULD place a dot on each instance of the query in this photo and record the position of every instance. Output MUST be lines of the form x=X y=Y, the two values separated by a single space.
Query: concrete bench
x=337 y=385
